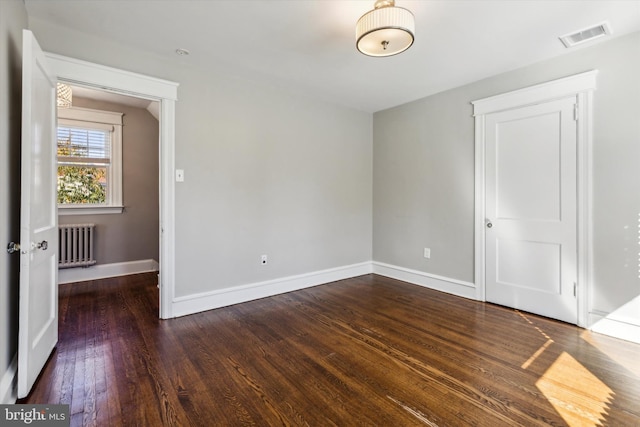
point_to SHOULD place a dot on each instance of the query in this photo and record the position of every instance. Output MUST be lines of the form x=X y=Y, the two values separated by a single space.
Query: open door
x=38 y=328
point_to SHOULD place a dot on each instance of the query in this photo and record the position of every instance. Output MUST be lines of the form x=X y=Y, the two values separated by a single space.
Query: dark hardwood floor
x=364 y=351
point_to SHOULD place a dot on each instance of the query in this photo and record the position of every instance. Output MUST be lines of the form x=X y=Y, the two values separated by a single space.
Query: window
x=89 y=161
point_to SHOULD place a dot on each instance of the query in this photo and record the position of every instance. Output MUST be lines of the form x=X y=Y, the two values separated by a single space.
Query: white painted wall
x=266 y=172
x=13 y=18
x=423 y=173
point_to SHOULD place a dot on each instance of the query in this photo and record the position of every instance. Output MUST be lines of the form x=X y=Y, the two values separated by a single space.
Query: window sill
x=89 y=210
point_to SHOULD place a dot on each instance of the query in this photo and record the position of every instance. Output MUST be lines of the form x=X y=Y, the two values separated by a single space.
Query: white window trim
x=114 y=203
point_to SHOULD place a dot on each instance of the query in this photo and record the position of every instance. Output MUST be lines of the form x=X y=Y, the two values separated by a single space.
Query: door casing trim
x=582 y=87
x=166 y=92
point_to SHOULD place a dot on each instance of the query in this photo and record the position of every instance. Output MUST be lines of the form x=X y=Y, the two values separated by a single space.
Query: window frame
x=85 y=117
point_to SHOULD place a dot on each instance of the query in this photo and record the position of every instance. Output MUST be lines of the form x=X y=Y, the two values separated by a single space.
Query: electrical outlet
x=263 y=260
x=427 y=252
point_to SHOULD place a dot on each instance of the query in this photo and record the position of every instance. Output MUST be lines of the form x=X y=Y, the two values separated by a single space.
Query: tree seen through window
x=83 y=160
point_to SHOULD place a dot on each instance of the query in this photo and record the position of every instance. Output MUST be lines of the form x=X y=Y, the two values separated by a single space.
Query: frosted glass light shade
x=387 y=30
x=63 y=95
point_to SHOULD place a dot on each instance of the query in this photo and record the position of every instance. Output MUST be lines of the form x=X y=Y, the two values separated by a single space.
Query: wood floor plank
x=363 y=351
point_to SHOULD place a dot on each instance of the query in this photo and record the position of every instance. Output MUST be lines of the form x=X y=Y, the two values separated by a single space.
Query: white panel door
x=531 y=209
x=38 y=328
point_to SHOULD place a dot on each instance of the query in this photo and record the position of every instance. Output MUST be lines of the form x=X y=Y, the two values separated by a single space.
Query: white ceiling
x=308 y=46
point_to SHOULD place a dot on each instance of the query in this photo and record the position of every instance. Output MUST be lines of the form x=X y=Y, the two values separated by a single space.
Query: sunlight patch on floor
x=526 y=319
x=541 y=350
x=627 y=360
x=577 y=395
x=535 y=355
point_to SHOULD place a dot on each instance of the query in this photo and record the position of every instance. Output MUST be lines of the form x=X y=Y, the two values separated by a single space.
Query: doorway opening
x=108 y=185
x=116 y=81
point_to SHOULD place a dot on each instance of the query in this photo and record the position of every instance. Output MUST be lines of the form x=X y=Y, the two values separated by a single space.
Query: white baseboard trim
x=432 y=281
x=102 y=271
x=604 y=323
x=196 y=303
x=8 y=392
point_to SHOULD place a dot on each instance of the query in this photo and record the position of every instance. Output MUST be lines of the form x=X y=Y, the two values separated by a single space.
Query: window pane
x=77 y=142
x=82 y=184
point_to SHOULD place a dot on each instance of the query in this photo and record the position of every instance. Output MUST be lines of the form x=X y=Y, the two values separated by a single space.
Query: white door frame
x=582 y=86
x=112 y=79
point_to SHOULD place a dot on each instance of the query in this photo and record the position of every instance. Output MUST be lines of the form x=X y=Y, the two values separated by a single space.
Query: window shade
x=84 y=143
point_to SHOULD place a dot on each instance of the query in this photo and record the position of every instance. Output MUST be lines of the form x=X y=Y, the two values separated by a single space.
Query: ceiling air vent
x=586 y=35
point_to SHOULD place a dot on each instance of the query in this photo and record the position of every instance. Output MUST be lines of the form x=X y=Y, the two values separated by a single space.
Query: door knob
x=13 y=247
x=43 y=245
x=489 y=224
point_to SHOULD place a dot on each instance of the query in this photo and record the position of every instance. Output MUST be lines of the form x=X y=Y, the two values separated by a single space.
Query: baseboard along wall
x=431 y=281
x=610 y=324
x=196 y=303
x=103 y=271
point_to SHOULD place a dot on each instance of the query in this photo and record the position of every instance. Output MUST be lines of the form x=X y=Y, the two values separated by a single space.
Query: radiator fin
x=75 y=245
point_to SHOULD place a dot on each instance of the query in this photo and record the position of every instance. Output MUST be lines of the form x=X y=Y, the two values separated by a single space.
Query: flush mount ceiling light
x=63 y=95
x=386 y=30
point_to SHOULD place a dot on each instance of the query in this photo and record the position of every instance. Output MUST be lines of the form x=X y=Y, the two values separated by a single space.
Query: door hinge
x=575 y=112
x=575 y=289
